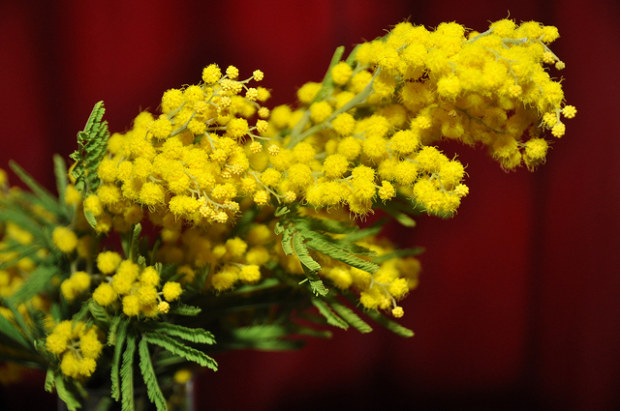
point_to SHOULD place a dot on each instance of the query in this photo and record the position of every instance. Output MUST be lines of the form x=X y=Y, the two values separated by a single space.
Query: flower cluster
x=77 y=345
x=192 y=160
x=243 y=217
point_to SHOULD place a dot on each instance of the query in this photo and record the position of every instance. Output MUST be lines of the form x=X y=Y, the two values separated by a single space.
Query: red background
x=519 y=301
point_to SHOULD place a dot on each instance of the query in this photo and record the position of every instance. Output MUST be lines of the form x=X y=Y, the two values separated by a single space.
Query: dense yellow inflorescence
x=366 y=135
x=78 y=347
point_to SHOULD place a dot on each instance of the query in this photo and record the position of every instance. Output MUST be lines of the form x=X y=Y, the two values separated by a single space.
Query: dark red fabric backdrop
x=519 y=300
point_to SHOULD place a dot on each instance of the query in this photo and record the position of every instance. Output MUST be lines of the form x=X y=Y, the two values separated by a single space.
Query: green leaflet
x=49 y=380
x=112 y=332
x=177 y=348
x=18 y=317
x=328 y=85
x=340 y=253
x=98 y=312
x=389 y=324
x=46 y=199
x=153 y=390
x=267 y=337
x=60 y=171
x=302 y=253
x=127 y=396
x=287 y=236
x=92 y=144
x=37 y=281
x=10 y=331
x=185 y=310
x=65 y=394
x=194 y=335
x=331 y=317
x=350 y=317
x=407 y=252
x=121 y=334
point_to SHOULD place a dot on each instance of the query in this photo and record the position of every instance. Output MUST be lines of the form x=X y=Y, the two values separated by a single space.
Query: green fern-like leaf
x=153 y=390
x=389 y=324
x=350 y=317
x=38 y=280
x=127 y=397
x=98 y=312
x=331 y=317
x=49 y=380
x=65 y=394
x=9 y=330
x=92 y=144
x=44 y=197
x=177 y=348
x=121 y=334
x=185 y=310
x=194 y=335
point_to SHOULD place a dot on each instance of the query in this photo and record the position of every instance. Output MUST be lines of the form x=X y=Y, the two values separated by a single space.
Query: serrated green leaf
x=65 y=395
x=194 y=335
x=350 y=317
x=389 y=324
x=127 y=396
x=38 y=280
x=331 y=317
x=175 y=347
x=153 y=390
x=121 y=334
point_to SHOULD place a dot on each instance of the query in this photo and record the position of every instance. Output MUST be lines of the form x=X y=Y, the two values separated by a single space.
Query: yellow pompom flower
x=171 y=291
x=249 y=273
x=341 y=73
x=104 y=294
x=108 y=261
x=64 y=239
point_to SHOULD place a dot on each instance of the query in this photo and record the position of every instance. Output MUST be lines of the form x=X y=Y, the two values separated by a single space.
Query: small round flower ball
x=172 y=290
x=64 y=239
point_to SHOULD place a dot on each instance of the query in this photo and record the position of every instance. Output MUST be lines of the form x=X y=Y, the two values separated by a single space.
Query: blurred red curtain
x=519 y=301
